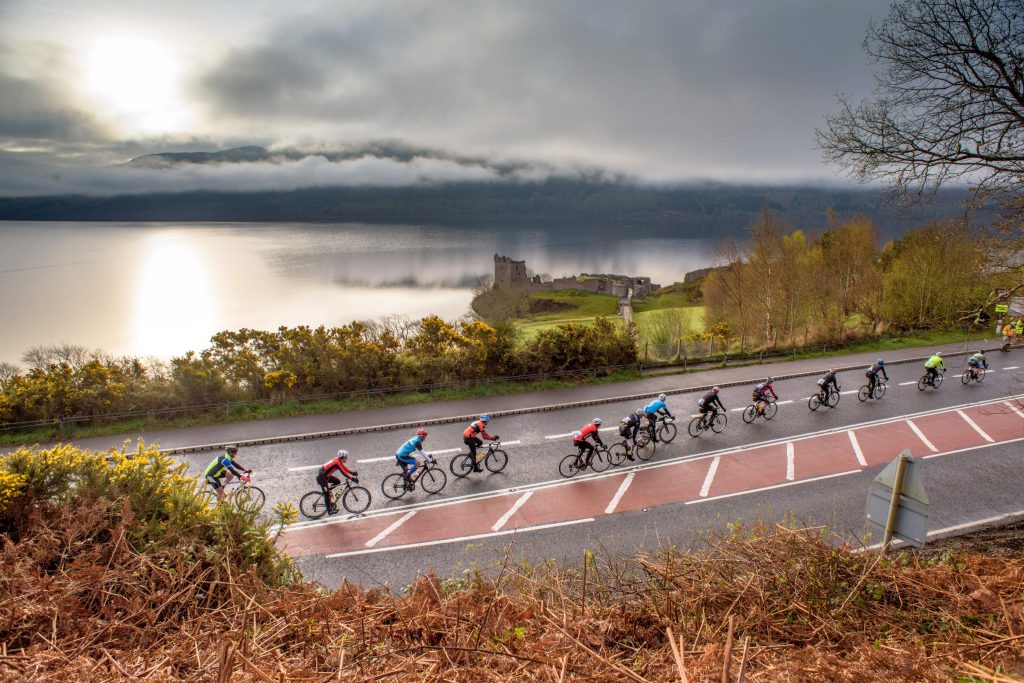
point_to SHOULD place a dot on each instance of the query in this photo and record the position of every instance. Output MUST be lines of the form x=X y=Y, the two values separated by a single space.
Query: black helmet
x=231 y=448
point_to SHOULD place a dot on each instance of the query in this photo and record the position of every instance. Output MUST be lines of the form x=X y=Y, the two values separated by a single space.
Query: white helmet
x=597 y=421
x=343 y=454
x=939 y=354
x=661 y=397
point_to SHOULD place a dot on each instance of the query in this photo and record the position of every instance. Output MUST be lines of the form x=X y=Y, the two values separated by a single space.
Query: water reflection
x=161 y=289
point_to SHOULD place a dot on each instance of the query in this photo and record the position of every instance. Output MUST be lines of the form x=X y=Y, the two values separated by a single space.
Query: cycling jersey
x=829 y=378
x=409 y=447
x=657 y=406
x=330 y=466
x=221 y=465
x=764 y=387
x=978 y=359
x=589 y=431
x=710 y=400
x=875 y=369
x=935 y=362
x=477 y=428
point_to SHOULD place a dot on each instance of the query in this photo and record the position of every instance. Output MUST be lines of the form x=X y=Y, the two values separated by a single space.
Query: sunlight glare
x=135 y=84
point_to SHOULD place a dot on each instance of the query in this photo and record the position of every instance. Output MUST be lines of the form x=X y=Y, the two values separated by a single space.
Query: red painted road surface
x=690 y=480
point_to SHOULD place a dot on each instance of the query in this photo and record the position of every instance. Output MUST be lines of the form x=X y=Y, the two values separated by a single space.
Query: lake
x=160 y=289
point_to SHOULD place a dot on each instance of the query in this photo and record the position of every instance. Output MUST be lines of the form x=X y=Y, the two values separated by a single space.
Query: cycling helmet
x=881 y=361
x=831 y=369
x=770 y=380
x=597 y=421
x=231 y=449
x=661 y=397
x=715 y=389
x=421 y=432
x=343 y=454
x=485 y=418
x=939 y=354
x=639 y=412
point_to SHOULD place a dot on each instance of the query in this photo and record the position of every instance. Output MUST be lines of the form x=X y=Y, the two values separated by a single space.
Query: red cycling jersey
x=586 y=432
x=336 y=464
x=477 y=428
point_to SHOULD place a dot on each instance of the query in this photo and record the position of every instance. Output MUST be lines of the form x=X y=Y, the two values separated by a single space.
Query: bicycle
x=865 y=391
x=826 y=396
x=927 y=381
x=494 y=459
x=643 y=449
x=355 y=499
x=431 y=477
x=765 y=408
x=977 y=374
x=241 y=493
x=700 y=423
x=572 y=464
x=665 y=430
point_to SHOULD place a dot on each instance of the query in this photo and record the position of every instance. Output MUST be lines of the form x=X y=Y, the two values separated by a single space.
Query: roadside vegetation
x=114 y=568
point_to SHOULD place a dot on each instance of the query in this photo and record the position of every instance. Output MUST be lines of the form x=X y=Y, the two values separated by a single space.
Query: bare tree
x=948 y=102
x=8 y=370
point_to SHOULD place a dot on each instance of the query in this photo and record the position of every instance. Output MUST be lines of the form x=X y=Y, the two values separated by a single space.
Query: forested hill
x=696 y=211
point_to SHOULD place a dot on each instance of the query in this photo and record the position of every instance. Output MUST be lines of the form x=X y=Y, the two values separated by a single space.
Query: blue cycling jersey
x=409 y=447
x=656 y=406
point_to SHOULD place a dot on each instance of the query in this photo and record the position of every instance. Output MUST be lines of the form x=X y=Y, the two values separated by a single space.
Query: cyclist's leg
x=477 y=443
x=322 y=482
x=218 y=487
x=585 y=448
x=652 y=426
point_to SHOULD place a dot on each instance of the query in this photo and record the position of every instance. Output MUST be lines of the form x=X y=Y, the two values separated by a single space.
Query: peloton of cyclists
x=225 y=467
x=872 y=375
x=761 y=392
x=325 y=477
x=710 y=402
x=977 y=360
x=628 y=429
x=653 y=410
x=472 y=438
x=933 y=365
x=407 y=452
x=580 y=436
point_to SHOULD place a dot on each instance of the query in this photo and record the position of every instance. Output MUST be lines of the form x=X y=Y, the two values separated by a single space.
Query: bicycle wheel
x=599 y=460
x=617 y=453
x=569 y=466
x=814 y=402
x=833 y=398
x=696 y=427
x=393 y=486
x=461 y=464
x=750 y=414
x=718 y=424
x=938 y=381
x=356 y=500
x=770 y=410
x=879 y=390
x=966 y=377
x=980 y=375
x=433 y=480
x=667 y=432
x=250 y=498
x=496 y=460
x=864 y=393
x=312 y=505
x=922 y=383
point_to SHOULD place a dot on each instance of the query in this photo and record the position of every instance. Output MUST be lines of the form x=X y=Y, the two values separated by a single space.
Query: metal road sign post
x=897 y=503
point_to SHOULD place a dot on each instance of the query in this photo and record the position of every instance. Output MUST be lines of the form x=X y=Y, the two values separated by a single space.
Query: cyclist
x=406 y=454
x=579 y=438
x=829 y=380
x=652 y=411
x=223 y=467
x=872 y=375
x=470 y=438
x=977 y=360
x=933 y=365
x=325 y=477
x=708 y=402
x=628 y=429
x=761 y=391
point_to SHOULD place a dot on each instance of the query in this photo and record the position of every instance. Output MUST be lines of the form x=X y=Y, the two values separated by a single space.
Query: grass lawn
x=677 y=295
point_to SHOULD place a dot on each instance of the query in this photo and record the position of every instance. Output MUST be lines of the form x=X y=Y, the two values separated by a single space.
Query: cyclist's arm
x=666 y=411
x=349 y=474
x=597 y=438
x=884 y=374
x=485 y=435
x=231 y=468
x=772 y=389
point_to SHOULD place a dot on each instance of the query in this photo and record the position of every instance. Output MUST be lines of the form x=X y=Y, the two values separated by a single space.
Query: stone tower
x=509 y=273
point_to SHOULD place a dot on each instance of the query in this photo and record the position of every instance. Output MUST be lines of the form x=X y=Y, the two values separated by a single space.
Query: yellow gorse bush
x=11 y=488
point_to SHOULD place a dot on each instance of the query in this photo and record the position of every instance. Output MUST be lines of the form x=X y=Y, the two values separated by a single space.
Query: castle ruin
x=509 y=274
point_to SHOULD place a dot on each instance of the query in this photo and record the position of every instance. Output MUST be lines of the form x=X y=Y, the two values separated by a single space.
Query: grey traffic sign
x=911 y=514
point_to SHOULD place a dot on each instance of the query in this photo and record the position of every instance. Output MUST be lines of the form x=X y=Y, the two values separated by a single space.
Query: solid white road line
x=1012 y=367
x=974 y=448
x=618 y=494
x=511 y=511
x=710 y=477
x=921 y=436
x=856 y=449
x=782 y=403
x=310 y=467
x=1014 y=408
x=851 y=391
x=904 y=384
x=460 y=539
x=790 y=461
x=443 y=451
x=975 y=426
x=769 y=488
x=394 y=525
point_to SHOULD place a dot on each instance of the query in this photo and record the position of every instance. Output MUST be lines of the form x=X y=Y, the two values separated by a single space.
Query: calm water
x=160 y=289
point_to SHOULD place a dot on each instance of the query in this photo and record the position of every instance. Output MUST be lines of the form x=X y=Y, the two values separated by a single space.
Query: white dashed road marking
x=394 y=525
x=921 y=436
x=710 y=477
x=511 y=511
x=856 y=449
x=790 y=461
x=975 y=426
x=618 y=494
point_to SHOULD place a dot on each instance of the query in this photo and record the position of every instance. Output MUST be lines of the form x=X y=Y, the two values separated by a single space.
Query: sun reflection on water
x=174 y=297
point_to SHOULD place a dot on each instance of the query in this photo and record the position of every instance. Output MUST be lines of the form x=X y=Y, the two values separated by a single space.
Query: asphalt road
x=979 y=481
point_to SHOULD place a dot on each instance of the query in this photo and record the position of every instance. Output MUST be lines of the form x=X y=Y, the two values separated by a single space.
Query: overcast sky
x=657 y=91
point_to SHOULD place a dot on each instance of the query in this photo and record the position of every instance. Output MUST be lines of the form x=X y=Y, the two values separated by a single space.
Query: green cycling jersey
x=935 y=361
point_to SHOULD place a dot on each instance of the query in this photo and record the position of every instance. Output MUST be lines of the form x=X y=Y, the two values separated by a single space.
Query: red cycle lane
x=728 y=473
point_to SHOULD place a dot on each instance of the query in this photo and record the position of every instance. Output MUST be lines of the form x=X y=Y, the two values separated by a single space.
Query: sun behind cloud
x=134 y=84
